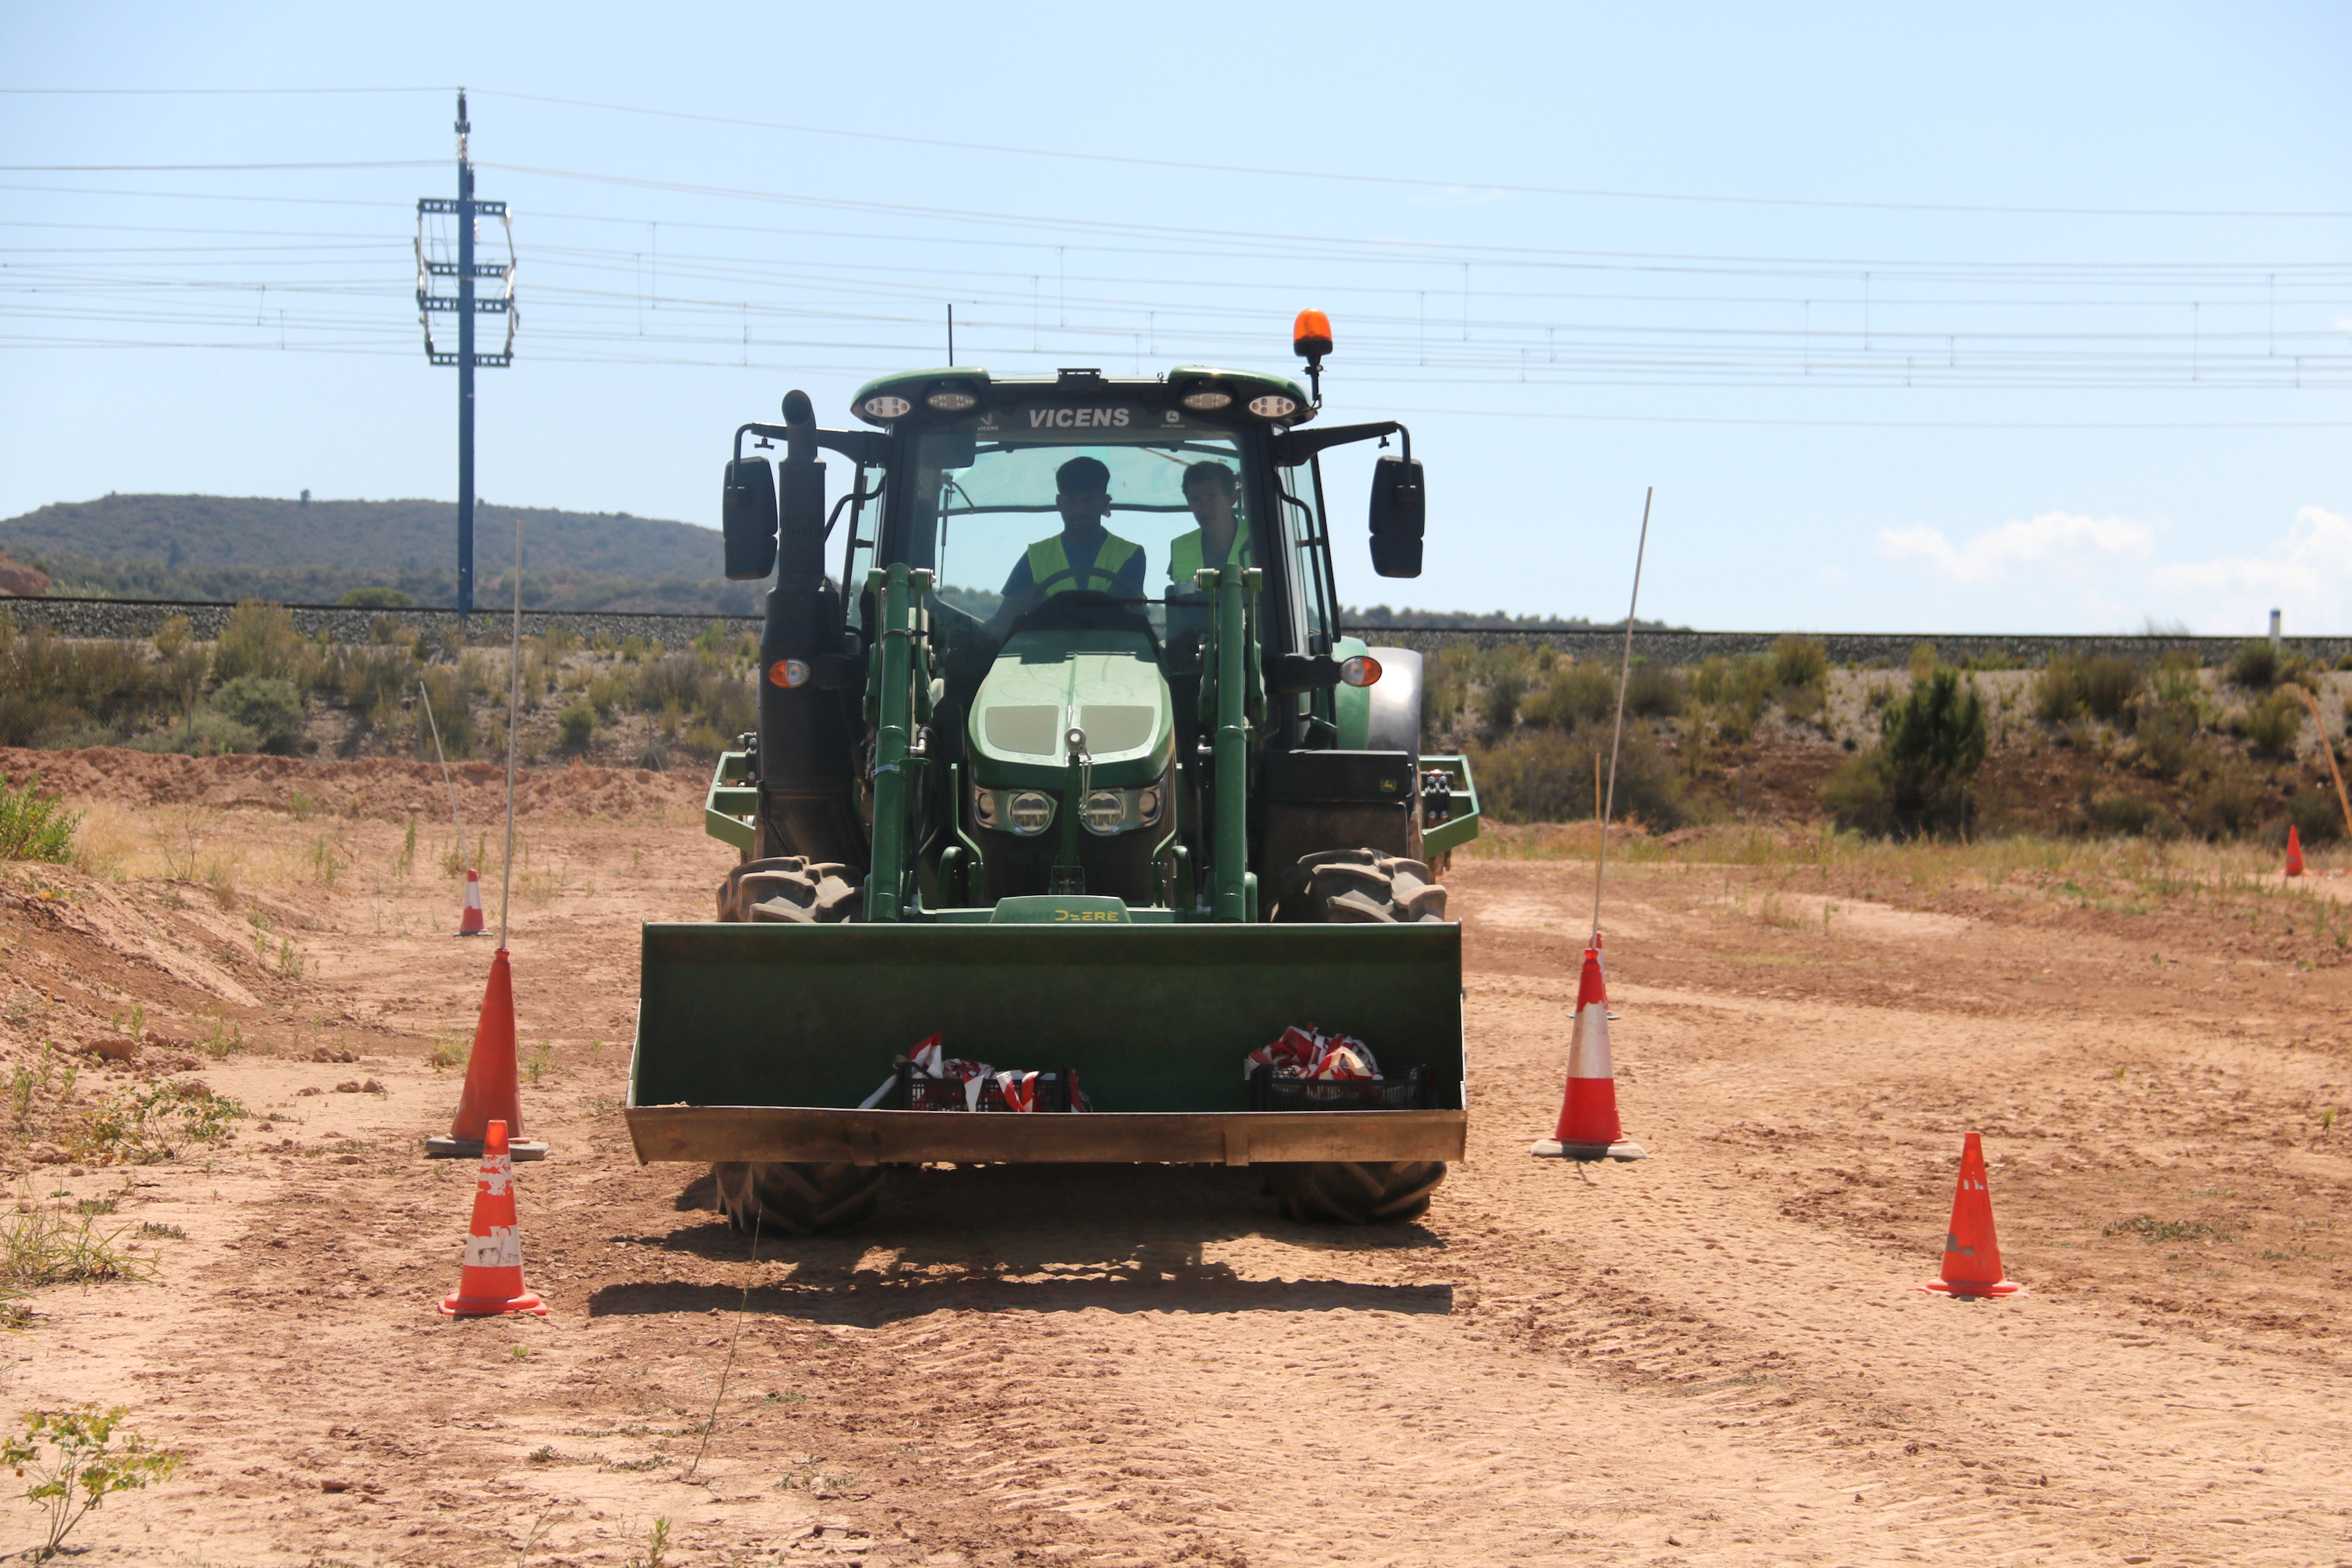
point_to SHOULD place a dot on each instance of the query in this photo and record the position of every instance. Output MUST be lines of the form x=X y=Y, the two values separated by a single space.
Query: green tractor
x=1071 y=771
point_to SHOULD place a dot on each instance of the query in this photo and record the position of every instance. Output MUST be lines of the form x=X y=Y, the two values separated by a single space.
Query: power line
x=204 y=168
x=1425 y=184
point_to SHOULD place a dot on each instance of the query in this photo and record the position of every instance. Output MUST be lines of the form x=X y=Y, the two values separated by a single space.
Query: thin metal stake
x=426 y=695
x=1624 y=672
x=514 y=706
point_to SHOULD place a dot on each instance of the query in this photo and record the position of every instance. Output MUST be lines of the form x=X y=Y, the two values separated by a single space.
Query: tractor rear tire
x=791 y=1199
x=1364 y=886
x=791 y=888
x=1353 y=1192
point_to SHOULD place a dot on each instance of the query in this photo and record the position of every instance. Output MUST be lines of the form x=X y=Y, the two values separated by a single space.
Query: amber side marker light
x=1361 y=670
x=788 y=673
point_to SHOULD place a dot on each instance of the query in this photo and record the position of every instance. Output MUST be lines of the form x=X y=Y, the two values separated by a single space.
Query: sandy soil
x=1716 y=1356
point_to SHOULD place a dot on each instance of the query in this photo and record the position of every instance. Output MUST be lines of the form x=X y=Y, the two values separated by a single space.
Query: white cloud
x=2056 y=539
x=2302 y=573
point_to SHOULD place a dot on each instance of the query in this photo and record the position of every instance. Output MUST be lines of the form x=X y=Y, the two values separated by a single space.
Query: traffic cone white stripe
x=1587 y=1050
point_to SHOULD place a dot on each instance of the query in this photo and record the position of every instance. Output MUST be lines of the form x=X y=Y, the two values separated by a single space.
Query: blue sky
x=1973 y=331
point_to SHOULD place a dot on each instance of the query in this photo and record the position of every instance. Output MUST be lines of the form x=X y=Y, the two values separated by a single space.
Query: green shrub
x=376 y=599
x=1800 y=662
x=2317 y=813
x=2272 y=723
x=260 y=640
x=577 y=724
x=2168 y=742
x=2255 y=665
x=50 y=686
x=365 y=679
x=606 y=693
x=1915 y=780
x=2227 y=807
x=1577 y=691
x=1734 y=692
x=2131 y=816
x=1655 y=691
x=208 y=734
x=2070 y=687
x=33 y=826
x=1546 y=775
x=271 y=708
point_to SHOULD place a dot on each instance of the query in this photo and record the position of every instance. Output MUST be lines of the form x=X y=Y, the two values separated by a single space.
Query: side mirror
x=801 y=492
x=747 y=512
x=1399 y=512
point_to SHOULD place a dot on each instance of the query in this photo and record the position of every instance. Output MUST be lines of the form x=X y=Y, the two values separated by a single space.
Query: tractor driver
x=1084 y=556
x=1211 y=489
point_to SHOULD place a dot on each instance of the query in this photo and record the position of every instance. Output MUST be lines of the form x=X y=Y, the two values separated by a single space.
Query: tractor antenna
x=1624 y=672
x=952 y=332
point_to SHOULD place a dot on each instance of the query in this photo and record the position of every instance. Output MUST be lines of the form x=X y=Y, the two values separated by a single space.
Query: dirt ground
x=1714 y=1356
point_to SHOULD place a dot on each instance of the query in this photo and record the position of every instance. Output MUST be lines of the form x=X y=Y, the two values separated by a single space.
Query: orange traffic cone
x=492 y=1094
x=1588 y=1126
x=1971 y=1254
x=491 y=1281
x=469 y=921
x=2294 y=851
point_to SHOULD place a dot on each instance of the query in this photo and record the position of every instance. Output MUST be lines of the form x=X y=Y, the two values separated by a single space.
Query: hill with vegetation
x=314 y=552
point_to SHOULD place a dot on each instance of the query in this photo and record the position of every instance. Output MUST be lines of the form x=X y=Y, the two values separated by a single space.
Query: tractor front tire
x=1355 y=1192
x=1364 y=886
x=793 y=1199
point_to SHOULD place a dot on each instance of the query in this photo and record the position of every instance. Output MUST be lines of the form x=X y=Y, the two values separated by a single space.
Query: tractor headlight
x=1273 y=406
x=1031 y=812
x=885 y=407
x=1207 y=401
x=1105 y=811
x=950 y=400
x=1110 y=811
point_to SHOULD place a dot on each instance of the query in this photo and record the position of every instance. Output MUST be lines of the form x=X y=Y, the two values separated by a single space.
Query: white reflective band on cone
x=1588 y=1052
x=502 y=1248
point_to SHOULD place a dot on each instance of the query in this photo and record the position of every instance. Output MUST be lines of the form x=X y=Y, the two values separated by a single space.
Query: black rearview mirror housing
x=748 y=519
x=1399 y=514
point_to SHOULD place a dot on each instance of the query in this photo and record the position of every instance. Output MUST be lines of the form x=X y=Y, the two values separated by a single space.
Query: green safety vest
x=1050 y=568
x=1184 y=553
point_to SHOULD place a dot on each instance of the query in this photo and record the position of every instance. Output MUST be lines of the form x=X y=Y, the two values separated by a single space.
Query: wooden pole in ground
x=2311 y=700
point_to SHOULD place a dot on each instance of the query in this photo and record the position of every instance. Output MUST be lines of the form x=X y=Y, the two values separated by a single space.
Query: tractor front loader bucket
x=758 y=1042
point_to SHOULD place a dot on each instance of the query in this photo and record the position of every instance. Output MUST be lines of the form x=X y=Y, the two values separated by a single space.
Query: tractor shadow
x=1035 y=1239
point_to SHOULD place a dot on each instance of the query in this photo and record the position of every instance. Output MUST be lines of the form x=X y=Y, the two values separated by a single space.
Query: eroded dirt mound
x=378 y=788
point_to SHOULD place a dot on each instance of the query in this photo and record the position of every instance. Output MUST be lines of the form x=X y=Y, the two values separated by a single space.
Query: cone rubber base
x=2005 y=1288
x=441 y=1147
x=1553 y=1149
x=470 y=934
x=490 y=1307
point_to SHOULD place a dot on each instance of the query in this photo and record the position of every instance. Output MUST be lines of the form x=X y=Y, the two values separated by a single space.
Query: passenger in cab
x=1211 y=489
x=1084 y=556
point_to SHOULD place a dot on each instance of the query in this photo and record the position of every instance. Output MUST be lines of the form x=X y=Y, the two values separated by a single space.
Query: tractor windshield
x=1009 y=518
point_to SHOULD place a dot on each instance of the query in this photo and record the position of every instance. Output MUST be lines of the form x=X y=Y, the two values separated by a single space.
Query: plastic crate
x=1056 y=1089
x=1412 y=1091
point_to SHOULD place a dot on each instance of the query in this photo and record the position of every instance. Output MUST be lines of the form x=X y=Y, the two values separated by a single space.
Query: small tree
x=1933 y=741
x=1915 y=780
x=76 y=1459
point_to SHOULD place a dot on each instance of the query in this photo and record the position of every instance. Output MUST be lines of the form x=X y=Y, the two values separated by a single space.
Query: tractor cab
x=1060 y=544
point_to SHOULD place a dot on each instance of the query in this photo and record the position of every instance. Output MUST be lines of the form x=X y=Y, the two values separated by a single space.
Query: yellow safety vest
x=1184 y=553
x=1050 y=568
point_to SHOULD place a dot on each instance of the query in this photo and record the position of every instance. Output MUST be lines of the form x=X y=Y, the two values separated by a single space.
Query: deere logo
x=1388 y=787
